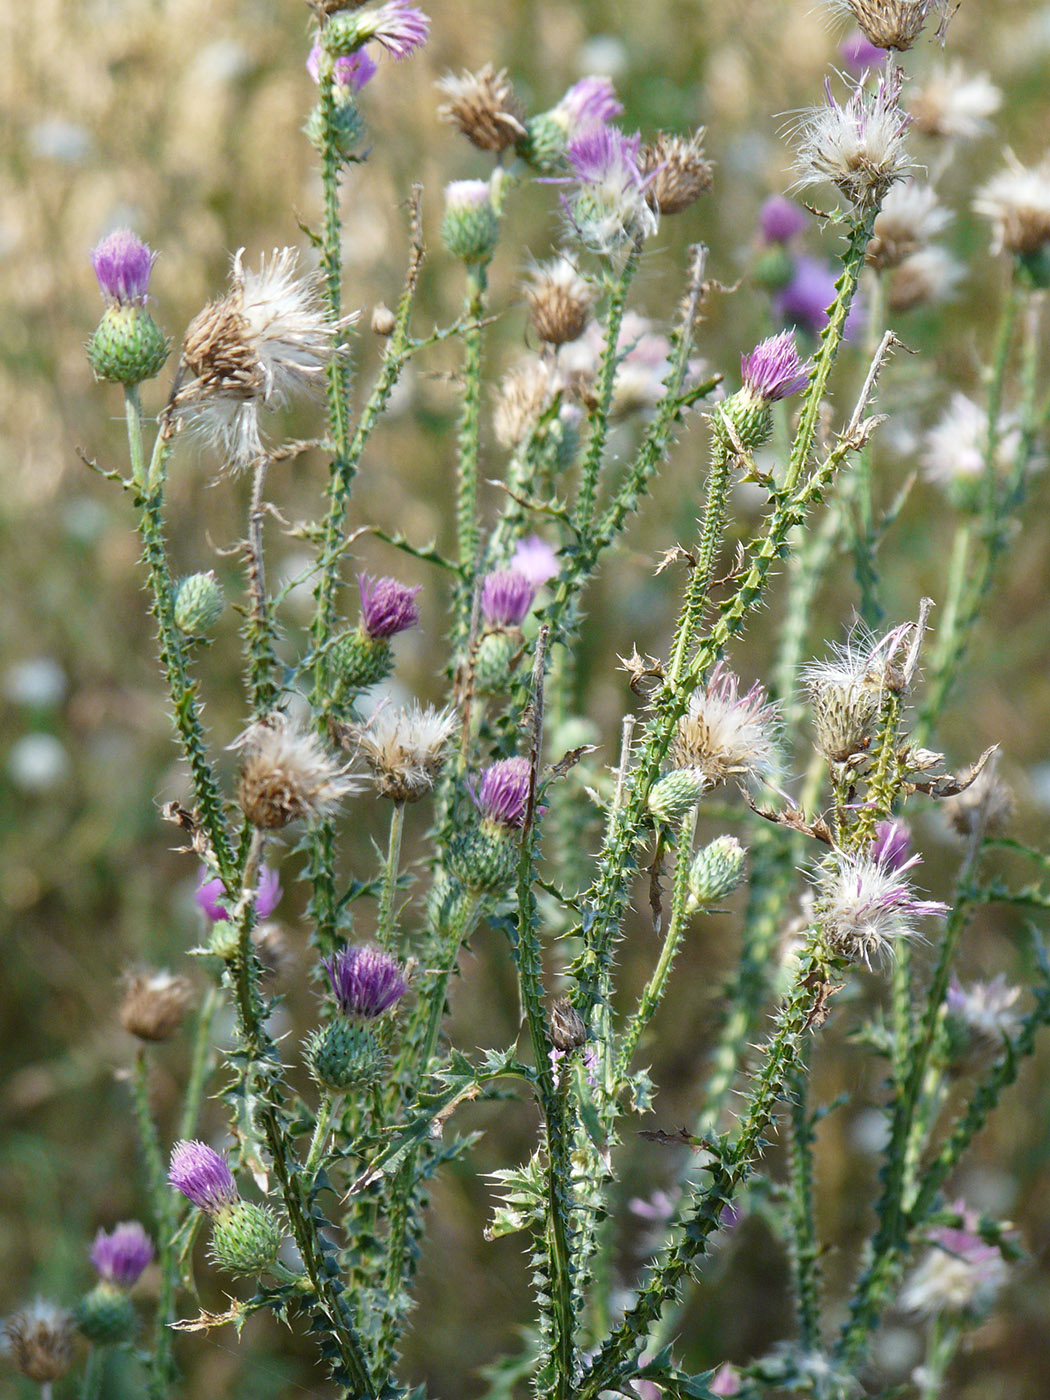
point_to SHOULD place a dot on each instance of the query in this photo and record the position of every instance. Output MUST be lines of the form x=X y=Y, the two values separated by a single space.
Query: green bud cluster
x=544 y=142
x=494 y=661
x=774 y=269
x=199 y=601
x=344 y=1055
x=346 y=132
x=484 y=858
x=245 y=1238
x=357 y=661
x=106 y=1315
x=674 y=796
x=128 y=346
x=470 y=231
x=716 y=871
x=447 y=903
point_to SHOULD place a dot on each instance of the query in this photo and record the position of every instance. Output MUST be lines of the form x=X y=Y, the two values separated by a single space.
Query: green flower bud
x=224 y=941
x=345 y=1055
x=751 y=417
x=716 y=871
x=346 y=133
x=245 y=1238
x=494 y=661
x=357 y=661
x=447 y=902
x=199 y=601
x=470 y=228
x=106 y=1315
x=128 y=346
x=544 y=142
x=485 y=857
x=775 y=268
x=674 y=796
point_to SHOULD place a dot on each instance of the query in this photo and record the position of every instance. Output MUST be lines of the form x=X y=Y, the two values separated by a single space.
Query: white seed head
x=956 y=446
x=865 y=908
x=911 y=216
x=725 y=734
x=953 y=104
x=858 y=146
x=891 y=24
x=405 y=749
x=1017 y=201
x=287 y=774
x=924 y=278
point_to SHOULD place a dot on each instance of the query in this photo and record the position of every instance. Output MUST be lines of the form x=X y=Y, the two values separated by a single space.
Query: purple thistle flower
x=400 y=28
x=467 y=194
x=211 y=894
x=892 y=845
x=780 y=219
x=859 y=53
x=506 y=596
x=365 y=981
x=804 y=302
x=503 y=793
x=866 y=906
x=350 y=73
x=774 y=369
x=122 y=1256
x=535 y=559
x=123 y=264
x=202 y=1176
x=601 y=153
x=590 y=102
x=387 y=606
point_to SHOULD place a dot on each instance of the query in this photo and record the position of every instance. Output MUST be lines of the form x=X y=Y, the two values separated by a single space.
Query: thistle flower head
x=780 y=219
x=986 y=1009
x=268 y=340
x=676 y=171
x=39 y=1341
x=122 y=1256
x=910 y=217
x=387 y=606
x=891 y=24
x=609 y=206
x=365 y=981
x=506 y=597
x=859 y=54
x=212 y=898
x=287 y=774
x=566 y=1027
x=774 y=369
x=716 y=870
x=405 y=749
x=865 y=906
x=502 y=794
x=484 y=108
x=588 y=103
x=892 y=844
x=349 y=73
x=559 y=301
x=725 y=734
x=953 y=104
x=1017 y=201
x=846 y=691
x=522 y=395
x=925 y=277
x=960 y=1274
x=398 y=27
x=123 y=264
x=154 y=1004
x=857 y=146
x=535 y=560
x=203 y=1176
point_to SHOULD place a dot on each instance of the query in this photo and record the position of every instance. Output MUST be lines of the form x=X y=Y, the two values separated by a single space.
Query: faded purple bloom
x=503 y=793
x=658 y=1208
x=506 y=596
x=123 y=264
x=202 y=1176
x=961 y=1273
x=805 y=300
x=387 y=606
x=985 y=1008
x=892 y=845
x=726 y=1380
x=774 y=369
x=365 y=981
x=535 y=559
x=601 y=153
x=590 y=1063
x=780 y=219
x=350 y=73
x=401 y=28
x=609 y=208
x=211 y=894
x=121 y=1256
x=866 y=907
x=859 y=53
x=590 y=102
x=467 y=194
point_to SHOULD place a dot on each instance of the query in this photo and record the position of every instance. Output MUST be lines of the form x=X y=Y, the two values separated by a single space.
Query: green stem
x=469 y=448
x=388 y=892
x=94 y=1369
x=328 y=1107
x=258 y=627
x=165 y=1213
x=803 y=1218
x=200 y=1055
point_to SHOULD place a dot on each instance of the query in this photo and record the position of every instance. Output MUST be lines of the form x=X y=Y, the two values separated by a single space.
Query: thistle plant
x=811 y=782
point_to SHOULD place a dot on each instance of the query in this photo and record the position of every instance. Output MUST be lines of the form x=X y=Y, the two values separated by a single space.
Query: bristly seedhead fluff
x=725 y=734
x=122 y=1256
x=893 y=24
x=286 y=774
x=154 y=1004
x=560 y=301
x=267 y=341
x=203 y=1176
x=910 y=217
x=484 y=108
x=608 y=208
x=123 y=264
x=387 y=606
x=1017 y=202
x=676 y=171
x=857 y=146
x=954 y=105
x=987 y=1010
x=38 y=1340
x=502 y=795
x=365 y=981
x=506 y=597
x=865 y=907
x=405 y=749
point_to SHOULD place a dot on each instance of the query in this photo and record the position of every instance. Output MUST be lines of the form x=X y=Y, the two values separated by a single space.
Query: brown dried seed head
x=520 y=399
x=40 y=1341
x=154 y=1004
x=567 y=1027
x=218 y=354
x=891 y=24
x=680 y=173
x=560 y=302
x=484 y=108
x=286 y=774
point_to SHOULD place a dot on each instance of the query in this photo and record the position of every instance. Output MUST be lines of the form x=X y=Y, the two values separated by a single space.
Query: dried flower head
x=1017 y=201
x=387 y=606
x=154 y=1004
x=955 y=449
x=405 y=749
x=960 y=1274
x=484 y=108
x=985 y=806
x=846 y=692
x=286 y=774
x=865 y=906
x=559 y=300
x=506 y=597
x=268 y=340
x=953 y=104
x=203 y=1176
x=365 y=981
x=857 y=146
x=892 y=24
x=725 y=734
x=39 y=1341
x=609 y=207
x=212 y=897
x=986 y=1009
x=567 y=1028
x=676 y=170
x=924 y=278
x=272 y=949
x=520 y=399
x=910 y=217
x=122 y=1256
x=502 y=795
x=123 y=264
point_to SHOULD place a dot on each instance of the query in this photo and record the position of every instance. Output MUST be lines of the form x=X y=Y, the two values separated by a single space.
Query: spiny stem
x=200 y=1055
x=388 y=891
x=262 y=661
x=327 y=1109
x=165 y=1213
x=469 y=447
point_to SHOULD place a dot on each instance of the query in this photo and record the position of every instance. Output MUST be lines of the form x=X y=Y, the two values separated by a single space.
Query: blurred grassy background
x=184 y=121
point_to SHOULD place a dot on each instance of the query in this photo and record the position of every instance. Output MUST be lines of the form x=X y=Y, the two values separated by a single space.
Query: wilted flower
x=154 y=1004
x=203 y=1176
x=286 y=774
x=865 y=906
x=676 y=170
x=405 y=749
x=566 y=1027
x=484 y=108
x=502 y=795
x=962 y=1273
x=122 y=1256
x=365 y=981
x=211 y=894
x=123 y=264
x=1017 y=201
x=986 y=805
x=911 y=215
x=725 y=734
x=891 y=24
x=506 y=597
x=857 y=146
x=536 y=560
x=559 y=300
x=953 y=104
x=268 y=340
x=387 y=606
x=39 y=1341
x=609 y=206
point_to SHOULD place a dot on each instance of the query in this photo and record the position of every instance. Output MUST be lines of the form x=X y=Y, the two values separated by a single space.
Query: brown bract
x=154 y=1004
x=484 y=108
x=680 y=173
